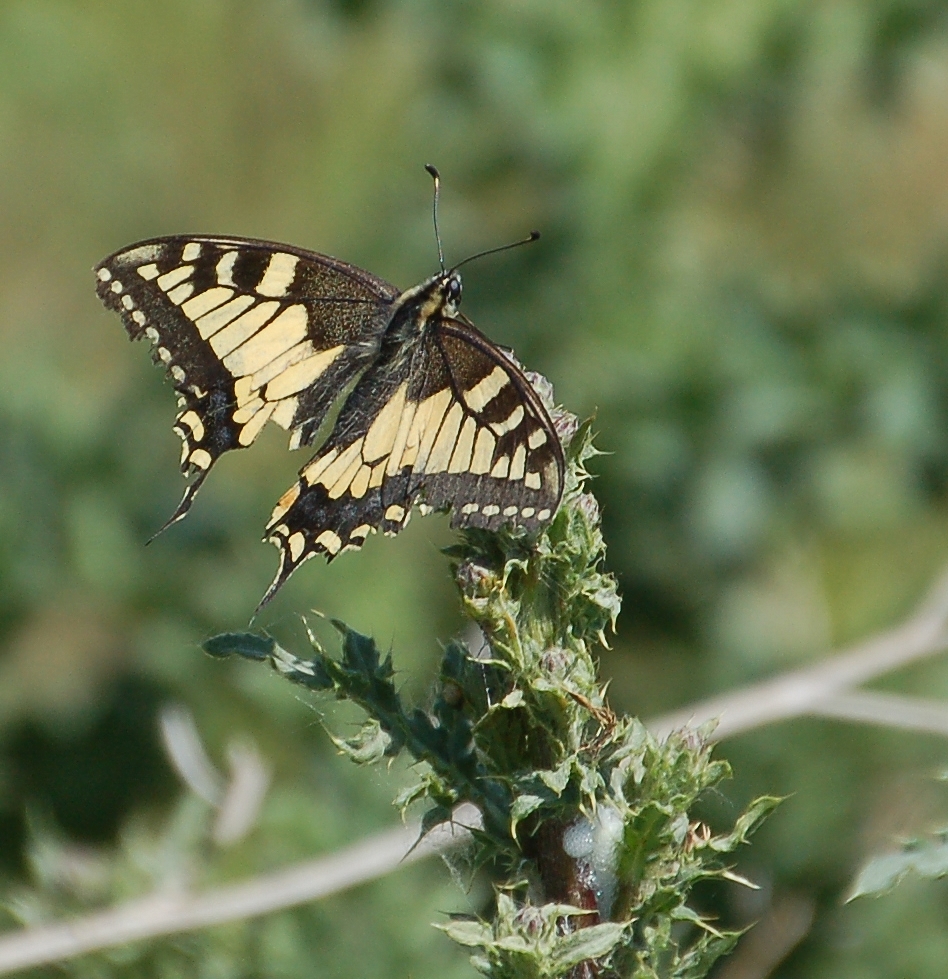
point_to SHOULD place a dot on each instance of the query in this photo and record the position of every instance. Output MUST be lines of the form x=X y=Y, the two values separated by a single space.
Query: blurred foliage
x=745 y=217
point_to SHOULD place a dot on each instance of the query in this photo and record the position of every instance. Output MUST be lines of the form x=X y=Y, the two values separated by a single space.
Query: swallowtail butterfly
x=437 y=416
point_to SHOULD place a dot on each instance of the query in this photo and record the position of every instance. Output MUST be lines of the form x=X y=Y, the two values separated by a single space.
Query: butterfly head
x=422 y=305
x=451 y=291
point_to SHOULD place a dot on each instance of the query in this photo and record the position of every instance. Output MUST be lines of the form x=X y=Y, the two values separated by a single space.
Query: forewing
x=249 y=332
x=455 y=425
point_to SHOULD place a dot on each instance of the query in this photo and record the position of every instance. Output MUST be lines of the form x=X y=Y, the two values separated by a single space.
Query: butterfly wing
x=457 y=424
x=507 y=465
x=249 y=331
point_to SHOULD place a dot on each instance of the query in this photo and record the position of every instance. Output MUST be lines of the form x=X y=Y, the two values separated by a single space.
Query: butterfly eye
x=454 y=290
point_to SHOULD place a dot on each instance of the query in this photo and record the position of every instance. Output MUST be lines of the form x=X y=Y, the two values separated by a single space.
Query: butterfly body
x=436 y=415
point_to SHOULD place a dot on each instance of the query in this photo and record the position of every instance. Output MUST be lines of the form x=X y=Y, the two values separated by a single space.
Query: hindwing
x=249 y=332
x=457 y=424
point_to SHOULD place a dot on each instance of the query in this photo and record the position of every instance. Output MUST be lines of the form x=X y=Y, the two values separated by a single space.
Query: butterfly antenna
x=533 y=236
x=436 y=177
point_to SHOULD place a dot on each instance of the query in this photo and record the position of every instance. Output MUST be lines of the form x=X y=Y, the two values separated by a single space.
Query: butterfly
x=436 y=416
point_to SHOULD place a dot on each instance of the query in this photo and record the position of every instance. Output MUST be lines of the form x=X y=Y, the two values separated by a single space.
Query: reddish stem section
x=565 y=880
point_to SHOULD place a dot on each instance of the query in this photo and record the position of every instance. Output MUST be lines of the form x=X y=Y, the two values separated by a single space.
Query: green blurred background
x=744 y=207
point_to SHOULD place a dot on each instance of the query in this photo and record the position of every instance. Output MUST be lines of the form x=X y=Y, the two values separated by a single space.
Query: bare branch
x=887 y=710
x=795 y=693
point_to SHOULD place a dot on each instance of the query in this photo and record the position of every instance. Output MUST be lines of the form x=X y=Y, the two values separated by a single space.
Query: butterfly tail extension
x=181 y=511
x=284 y=570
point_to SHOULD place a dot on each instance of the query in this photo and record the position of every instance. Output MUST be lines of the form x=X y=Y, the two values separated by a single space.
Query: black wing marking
x=249 y=331
x=458 y=424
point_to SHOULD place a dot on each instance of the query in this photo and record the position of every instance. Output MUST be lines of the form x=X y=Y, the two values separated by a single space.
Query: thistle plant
x=587 y=818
